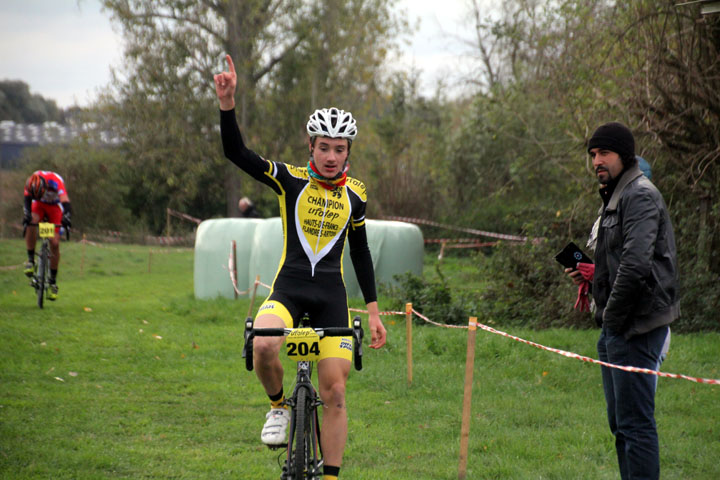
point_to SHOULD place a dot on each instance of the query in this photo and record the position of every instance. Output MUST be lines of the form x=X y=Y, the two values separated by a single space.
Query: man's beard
x=603 y=180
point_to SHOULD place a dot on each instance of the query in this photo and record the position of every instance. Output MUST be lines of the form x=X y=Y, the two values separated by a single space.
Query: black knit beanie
x=615 y=137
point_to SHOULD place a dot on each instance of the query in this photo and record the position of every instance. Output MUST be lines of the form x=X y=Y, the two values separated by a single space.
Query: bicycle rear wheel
x=42 y=274
x=302 y=445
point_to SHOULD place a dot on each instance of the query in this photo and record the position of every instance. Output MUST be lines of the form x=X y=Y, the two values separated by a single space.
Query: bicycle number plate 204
x=303 y=344
x=47 y=230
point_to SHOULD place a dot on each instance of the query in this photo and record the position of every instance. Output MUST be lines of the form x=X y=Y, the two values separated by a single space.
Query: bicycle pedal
x=276 y=447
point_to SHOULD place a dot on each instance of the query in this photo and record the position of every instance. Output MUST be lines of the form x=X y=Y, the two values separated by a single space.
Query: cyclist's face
x=330 y=155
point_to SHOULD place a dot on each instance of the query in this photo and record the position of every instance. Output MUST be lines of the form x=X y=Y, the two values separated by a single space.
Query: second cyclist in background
x=45 y=199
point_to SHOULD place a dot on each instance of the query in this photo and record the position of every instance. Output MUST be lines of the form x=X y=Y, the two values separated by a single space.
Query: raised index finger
x=231 y=65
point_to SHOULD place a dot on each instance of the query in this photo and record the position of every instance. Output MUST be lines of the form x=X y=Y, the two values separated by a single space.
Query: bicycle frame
x=304 y=449
x=46 y=231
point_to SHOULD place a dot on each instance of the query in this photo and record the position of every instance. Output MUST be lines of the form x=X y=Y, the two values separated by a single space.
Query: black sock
x=31 y=256
x=331 y=470
x=276 y=400
x=53 y=275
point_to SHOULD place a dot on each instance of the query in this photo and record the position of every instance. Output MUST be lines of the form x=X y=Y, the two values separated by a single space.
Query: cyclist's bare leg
x=332 y=377
x=31 y=233
x=266 y=355
x=55 y=251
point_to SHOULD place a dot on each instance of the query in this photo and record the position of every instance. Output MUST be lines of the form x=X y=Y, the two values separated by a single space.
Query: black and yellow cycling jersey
x=315 y=221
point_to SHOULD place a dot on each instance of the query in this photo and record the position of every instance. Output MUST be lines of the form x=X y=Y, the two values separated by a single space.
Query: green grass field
x=128 y=376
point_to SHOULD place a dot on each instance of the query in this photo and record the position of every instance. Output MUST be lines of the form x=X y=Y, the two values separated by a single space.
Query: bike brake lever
x=248 y=334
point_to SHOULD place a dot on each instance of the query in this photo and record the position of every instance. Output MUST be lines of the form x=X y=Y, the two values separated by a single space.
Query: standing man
x=635 y=290
x=247 y=208
x=320 y=206
x=45 y=198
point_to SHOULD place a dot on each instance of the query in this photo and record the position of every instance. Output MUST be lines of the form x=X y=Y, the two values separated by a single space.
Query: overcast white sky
x=64 y=49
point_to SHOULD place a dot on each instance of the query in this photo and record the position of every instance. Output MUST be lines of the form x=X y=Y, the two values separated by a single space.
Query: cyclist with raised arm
x=45 y=198
x=320 y=206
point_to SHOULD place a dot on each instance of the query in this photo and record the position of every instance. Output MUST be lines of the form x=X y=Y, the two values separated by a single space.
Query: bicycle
x=46 y=231
x=304 y=451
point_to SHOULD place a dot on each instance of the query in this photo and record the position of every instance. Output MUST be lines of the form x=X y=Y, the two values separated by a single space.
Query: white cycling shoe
x=274 y=432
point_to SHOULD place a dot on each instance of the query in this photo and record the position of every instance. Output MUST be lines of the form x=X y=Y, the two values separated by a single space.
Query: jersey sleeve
x=359 y=248
x=59 y=185
x=362 y=262
x=236 y=151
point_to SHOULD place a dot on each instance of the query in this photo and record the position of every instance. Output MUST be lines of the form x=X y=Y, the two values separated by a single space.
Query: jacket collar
x=625 y=180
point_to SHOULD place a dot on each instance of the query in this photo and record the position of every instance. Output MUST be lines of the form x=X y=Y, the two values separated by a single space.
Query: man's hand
x=378 y=334
x=225 y=84
x=587 y=270
x=575 y=275
x=66 y=220
x=27 y=219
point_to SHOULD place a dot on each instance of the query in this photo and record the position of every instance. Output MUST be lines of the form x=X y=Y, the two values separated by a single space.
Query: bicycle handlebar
x=67 y=229
x=356 y=332
x=322 y=332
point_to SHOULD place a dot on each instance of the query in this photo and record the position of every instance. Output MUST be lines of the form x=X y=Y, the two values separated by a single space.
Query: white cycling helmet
x=333 y=123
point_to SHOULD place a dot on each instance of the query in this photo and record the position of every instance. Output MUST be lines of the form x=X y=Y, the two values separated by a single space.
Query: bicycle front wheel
x=42 y=274
x=301 y=448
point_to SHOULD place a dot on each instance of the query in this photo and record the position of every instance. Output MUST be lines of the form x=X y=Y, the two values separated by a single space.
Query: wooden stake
x=467 y=398
x=234 y=267
x=149 y=260
x=252 y=298
x=82 y=258
x=167 y=214
x=408 y=334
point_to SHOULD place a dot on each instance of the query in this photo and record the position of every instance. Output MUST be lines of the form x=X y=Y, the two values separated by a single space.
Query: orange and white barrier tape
x=379 y=313
x=419 y=221
x=450 y=240
x=707 y=381
x=233 y=277
x=11 y=267
x=183 y=216
x=436 y=323
x=133 y=250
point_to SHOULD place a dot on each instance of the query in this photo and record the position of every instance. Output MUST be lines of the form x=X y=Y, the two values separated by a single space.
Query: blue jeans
x=630 y=399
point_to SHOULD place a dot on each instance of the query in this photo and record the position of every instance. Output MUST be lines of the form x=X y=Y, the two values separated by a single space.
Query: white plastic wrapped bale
x=213 y=241
x=396 y=248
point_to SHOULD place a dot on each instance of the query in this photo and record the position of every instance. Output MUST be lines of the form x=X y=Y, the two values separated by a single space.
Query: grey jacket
x=635 y=283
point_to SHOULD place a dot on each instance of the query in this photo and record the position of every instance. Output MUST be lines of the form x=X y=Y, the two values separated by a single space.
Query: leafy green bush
x=699 y=299
x=529 y=288
x=433 y=298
